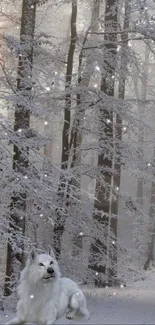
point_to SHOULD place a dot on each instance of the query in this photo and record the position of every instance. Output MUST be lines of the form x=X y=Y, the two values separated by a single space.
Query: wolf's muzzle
x=50 y=270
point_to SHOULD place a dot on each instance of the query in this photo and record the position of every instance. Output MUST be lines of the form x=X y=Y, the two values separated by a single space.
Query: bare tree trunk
x=142 y=96
x=121 y=95
x=141 y=93
x=76 y=132
x=98 y=248
x=118 y=130
x=152 y=222
x=60 y=216
x=15 y=259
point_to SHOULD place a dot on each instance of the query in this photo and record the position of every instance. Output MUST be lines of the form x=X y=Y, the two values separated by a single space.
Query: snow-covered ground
x=134 y=304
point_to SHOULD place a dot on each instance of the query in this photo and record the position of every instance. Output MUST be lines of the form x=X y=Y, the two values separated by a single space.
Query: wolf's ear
x=32 y=254
x=50 y=251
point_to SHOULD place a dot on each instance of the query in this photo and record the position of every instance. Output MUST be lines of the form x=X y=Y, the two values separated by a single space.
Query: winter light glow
x=108 y=120
x=48 y=88
x=45 y=175
x=114 y=293
x=46 y=122
x=96 y=273
x=41 y=215
x=121 y=286
x=97 y=68
x=117 y=188
x=149 y=164
x=95 y=85
x=32 y=6
x=81 y=233
x=26 y=177
x=32 y=296
x=124 y=128
x=113 y=242
x=19 y=130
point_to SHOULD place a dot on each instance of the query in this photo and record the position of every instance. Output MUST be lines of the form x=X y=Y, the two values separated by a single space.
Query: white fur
x=44 y=300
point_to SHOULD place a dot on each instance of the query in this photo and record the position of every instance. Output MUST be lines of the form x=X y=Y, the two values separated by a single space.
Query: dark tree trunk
x=15 y=258
x=119 y=126
x=98 y=250
x=77 y=126
x=150 y=250
x=60 y=215
x=151 y=234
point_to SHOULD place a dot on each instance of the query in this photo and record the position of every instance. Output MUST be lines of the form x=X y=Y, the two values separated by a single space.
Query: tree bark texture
x=98 y=250
x=62 y=197
x=15 y=258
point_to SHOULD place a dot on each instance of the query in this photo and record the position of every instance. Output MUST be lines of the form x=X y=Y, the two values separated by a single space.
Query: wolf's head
x=41 y=267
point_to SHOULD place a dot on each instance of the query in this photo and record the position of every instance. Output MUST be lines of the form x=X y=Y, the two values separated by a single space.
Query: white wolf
x=44 y=295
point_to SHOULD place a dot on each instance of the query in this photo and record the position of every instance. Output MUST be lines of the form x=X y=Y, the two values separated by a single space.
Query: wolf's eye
x=41 y=264
x=51 y=262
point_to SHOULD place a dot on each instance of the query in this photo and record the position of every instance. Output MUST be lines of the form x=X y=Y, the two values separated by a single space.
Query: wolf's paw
x=70 y=315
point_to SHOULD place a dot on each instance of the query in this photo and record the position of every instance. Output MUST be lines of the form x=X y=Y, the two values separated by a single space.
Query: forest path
x=134 y=304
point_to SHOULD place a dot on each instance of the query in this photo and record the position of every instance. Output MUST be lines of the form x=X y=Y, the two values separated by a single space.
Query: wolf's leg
x=84 y=312
x=77 y=307
x=15 y=321
x=51 y=321
x=73 y=306
x=51 y=317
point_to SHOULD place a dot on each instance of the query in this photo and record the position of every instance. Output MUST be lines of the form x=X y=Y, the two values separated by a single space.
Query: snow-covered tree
x=73 y=135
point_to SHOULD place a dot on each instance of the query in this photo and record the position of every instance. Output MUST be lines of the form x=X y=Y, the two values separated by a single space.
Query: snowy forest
x=77 y=138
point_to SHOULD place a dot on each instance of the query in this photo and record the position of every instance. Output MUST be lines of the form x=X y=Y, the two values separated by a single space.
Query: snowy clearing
x=134 y=304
